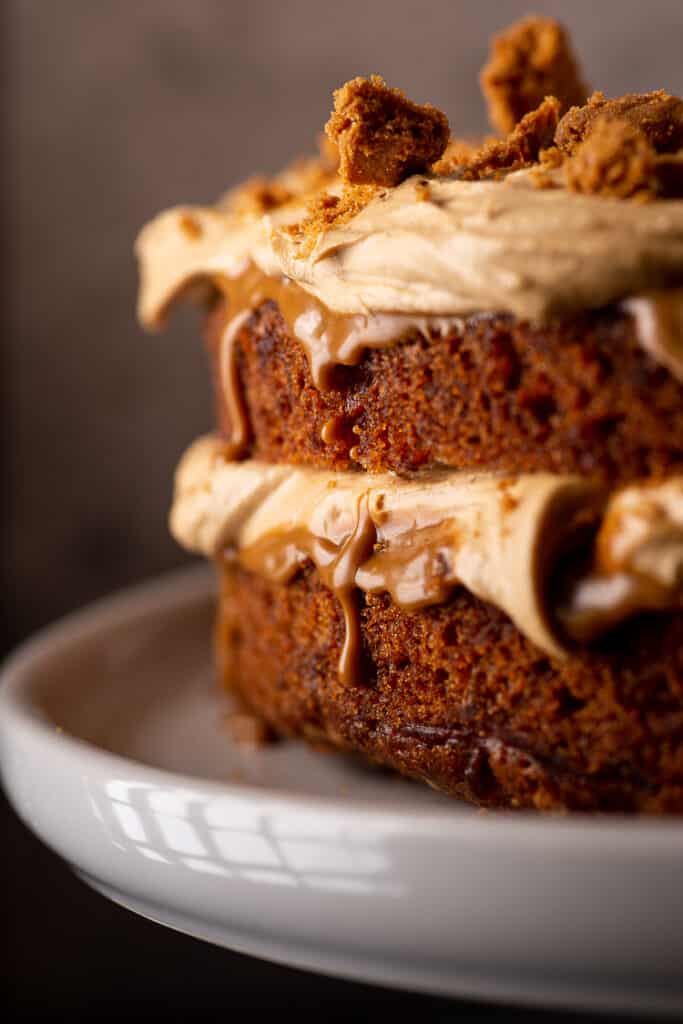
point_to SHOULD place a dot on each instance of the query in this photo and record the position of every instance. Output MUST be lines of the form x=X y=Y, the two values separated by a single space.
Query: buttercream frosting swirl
x=499 y=536
x=468 y=247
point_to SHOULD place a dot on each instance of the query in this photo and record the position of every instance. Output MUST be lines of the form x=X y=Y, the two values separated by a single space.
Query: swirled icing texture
x=469 y=247
x=499 y=536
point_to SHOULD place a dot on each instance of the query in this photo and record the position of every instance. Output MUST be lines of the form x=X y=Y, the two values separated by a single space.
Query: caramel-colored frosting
x=501 y=537
x=638 y=559
x=462 y=248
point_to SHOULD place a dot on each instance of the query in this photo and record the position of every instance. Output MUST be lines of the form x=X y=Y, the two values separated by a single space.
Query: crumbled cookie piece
x=528 y=61
x=329 y=152
x=657 y=114
x=522 y=146
x=300 y=178
x=551 y=158
x=191 y=227
x=328 y=210
x=546 y=175
x=422 y=190
x=382 y=136
x=459 y=152
x=615 y=159
x=247 y=731
x=256 y=196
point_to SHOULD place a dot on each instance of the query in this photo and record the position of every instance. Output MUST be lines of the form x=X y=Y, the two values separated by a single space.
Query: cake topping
x=469 y=247
x=257 y=196
x=520 y=149
x=657 y=115
x=361 y=241
x=327 y=210
x=382 y=136
x=529 y=61
x=614 y=159
x=489 y=246
x=298 y=180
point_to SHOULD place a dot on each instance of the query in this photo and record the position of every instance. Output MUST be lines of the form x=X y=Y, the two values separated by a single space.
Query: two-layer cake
x=445 y=492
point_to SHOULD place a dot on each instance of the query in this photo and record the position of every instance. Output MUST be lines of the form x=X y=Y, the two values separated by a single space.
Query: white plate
x=114 y=750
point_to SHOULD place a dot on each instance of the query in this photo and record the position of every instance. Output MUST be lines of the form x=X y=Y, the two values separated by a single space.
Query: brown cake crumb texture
x=382 y=136
x=478 y=712
x=574 y=396
x=529 y=61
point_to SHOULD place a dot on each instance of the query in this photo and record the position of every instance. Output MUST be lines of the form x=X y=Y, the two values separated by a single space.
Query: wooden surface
x=115 y=110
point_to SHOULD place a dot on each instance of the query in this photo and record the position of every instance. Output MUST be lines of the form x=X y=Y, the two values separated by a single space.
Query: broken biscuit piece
x=522 y=146
x=657 y=114
x=382 y=136
x=458 y=152
x=329 y=210
x=615 y=159
x=528 y=61
x=256 y=196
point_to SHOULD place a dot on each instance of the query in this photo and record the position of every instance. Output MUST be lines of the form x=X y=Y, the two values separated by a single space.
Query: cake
x=444 y=494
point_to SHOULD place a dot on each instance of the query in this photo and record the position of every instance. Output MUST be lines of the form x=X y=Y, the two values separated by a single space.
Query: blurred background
x=113 y=111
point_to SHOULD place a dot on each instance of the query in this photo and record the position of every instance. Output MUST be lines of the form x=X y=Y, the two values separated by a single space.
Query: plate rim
x=19 y=714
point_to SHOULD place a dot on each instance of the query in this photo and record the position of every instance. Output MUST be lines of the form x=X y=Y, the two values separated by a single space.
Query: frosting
x=417 y=538
x=638 y=560
x=468 y=247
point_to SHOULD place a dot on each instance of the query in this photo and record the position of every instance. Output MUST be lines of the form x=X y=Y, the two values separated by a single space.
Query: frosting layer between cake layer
x=467 y=247
x=502 y=537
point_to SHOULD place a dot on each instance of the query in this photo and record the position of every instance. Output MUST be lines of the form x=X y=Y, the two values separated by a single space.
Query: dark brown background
x=114 y=110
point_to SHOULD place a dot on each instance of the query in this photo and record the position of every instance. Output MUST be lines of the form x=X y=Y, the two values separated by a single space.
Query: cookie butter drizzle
x=231 y=385
x=328 y=339
x=413 y=558
x=331 y=339
x=277 y=557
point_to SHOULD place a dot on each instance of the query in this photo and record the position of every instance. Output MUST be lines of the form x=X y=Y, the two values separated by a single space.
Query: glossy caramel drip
x=240 y=430
x=278 y=556
x=659 y=324
x=416 y=568
x=329 y=339
x=416 y=552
